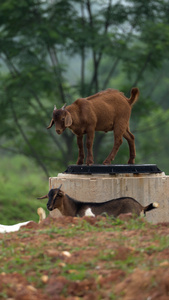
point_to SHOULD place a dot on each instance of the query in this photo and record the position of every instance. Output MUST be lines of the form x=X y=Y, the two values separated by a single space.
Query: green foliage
x=54 y=52
x=154 y=128
x=20 y=183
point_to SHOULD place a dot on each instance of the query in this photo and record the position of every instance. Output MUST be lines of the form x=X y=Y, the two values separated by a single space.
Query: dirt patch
x=87 y=258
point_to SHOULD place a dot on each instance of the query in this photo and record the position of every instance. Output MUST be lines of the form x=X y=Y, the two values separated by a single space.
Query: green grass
x=43 y=262
x=21 y=182
x=19 y=253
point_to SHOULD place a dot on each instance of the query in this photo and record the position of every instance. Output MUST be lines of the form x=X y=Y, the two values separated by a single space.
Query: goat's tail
x=150 y=207
x=134 y=95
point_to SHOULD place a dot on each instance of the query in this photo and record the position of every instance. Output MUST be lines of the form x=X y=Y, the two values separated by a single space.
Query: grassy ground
x=21 y=182
x=75 y=258
x=86 y=258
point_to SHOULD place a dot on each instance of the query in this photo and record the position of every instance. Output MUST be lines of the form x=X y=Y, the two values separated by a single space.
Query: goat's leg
x=117 y=142
x=131 y=142
x=81 y=150
x=89 y=145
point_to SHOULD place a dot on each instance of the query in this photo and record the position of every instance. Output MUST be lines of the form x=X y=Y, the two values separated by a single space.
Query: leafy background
x=53 y=52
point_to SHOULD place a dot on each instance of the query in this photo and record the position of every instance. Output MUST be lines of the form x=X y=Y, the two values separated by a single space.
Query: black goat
x=72 y=207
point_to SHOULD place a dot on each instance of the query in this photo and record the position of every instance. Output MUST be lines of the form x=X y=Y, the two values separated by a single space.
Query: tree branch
x=142 y=69
x=97 y=59
x=111 y=73
x=34 y=153
x=55 y=63
x=9 y=63
x=116 y=62
x=95 y=63
x=82 y=55
x=44 y=110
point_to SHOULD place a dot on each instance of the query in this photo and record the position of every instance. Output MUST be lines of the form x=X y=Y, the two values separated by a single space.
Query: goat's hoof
x=131 y=162
x=89 y=163
x=106 y=163
x=79 y=162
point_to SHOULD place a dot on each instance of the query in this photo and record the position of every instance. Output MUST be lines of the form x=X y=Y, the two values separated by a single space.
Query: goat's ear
x=61 y=193
x=51 y=124
x=68 y=120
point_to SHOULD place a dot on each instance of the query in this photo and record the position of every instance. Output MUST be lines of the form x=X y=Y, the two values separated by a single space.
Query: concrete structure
x=145 y=188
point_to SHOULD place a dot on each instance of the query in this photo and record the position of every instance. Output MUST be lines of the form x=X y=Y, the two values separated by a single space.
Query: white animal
x=16 y=227
x=12 y=228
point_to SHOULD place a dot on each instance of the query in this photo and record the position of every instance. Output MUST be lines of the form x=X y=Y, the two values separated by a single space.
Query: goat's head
x=61 y=118
x=54 y=198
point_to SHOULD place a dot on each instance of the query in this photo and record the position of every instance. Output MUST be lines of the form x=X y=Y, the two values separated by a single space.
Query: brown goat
x=71 y=207
x=105 y=111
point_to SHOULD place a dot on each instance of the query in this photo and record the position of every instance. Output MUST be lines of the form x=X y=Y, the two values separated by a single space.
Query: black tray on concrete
x=112 y=169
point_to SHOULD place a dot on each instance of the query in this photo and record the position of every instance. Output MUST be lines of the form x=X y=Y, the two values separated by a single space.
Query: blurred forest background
x=53 y=52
